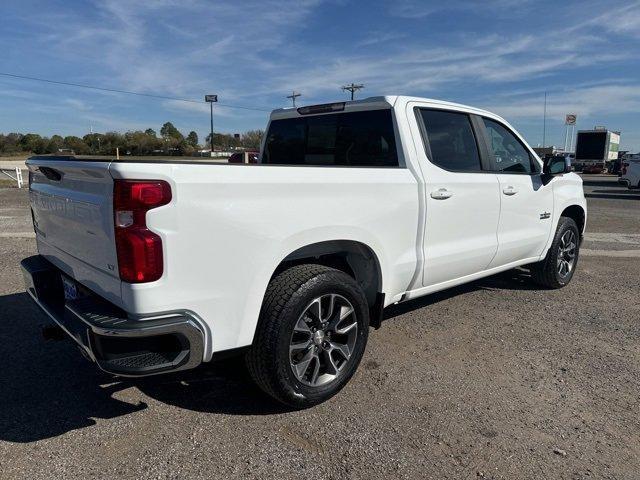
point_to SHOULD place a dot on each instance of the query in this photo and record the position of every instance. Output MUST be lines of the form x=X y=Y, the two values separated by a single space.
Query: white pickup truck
x=155 y=266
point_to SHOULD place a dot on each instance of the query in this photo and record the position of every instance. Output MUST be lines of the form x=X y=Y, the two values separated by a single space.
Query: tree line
x=170 y=142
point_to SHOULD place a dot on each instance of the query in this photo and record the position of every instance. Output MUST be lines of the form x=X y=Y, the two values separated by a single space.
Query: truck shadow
x=220 y=387
x=225 y=387
x=47 y=388
x=615 y=196
x=516 y=279
x=599 y=183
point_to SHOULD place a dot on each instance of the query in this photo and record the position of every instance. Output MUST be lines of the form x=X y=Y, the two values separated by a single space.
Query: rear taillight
x=624 y=168
x=139 y=249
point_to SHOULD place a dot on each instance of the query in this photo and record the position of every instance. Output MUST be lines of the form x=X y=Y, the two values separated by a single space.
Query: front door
x=526 y=203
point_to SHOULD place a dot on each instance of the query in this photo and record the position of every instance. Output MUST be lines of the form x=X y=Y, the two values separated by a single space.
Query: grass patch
x=8 y=183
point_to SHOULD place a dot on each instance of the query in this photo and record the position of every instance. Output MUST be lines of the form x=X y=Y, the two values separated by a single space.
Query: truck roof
x=387 y=101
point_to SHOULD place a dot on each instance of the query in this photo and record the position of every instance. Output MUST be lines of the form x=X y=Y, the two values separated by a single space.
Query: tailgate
x=71 y=202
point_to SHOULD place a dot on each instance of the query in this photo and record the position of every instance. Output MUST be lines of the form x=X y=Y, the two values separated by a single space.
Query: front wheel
x=311 y=335
x=559 y=266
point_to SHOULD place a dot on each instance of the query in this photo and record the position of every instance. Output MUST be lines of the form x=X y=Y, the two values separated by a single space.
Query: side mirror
x=557 y=166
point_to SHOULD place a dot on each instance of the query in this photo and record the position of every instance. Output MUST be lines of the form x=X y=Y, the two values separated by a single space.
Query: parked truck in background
x=630 y=171
x=594 y=148
x=157 y=266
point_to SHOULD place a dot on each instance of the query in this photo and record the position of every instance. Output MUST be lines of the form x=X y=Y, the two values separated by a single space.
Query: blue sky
x=497 y=54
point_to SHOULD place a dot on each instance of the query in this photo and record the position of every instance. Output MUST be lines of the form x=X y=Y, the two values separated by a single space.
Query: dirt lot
x=497 y=379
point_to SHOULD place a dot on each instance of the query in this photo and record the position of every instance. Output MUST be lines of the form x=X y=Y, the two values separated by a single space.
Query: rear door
x=71 y=203
x=462 y=197
x=526 y=203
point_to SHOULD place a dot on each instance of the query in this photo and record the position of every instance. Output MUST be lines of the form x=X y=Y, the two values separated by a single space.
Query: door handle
x=509 y=190
x=441 y=194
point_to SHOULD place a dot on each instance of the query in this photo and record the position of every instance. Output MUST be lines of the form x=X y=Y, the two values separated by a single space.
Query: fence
x=14 y=175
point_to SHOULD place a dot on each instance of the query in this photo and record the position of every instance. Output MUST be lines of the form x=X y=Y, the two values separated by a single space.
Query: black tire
x=288 y=296
x=546 y=272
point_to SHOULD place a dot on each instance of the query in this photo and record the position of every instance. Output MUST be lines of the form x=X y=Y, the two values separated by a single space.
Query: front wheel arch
x=577 y=213
x=545 y=272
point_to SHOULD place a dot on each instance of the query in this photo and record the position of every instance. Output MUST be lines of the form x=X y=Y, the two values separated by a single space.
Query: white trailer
x=596 y=147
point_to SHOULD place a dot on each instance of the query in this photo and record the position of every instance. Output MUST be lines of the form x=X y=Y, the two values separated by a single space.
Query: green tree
x=31 y=142
x=192 y=139
x=252 y=139
x=169 y=131
x=141 y=143
x=10 y=143
x=94 y=141
x=110 y=141
x=151 y=132
x=55 y=143
x=77 y=145
x=223 y=140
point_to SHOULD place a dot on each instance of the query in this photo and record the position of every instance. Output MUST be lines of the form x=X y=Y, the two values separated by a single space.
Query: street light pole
x=211 y=99
x=544 y=122
x=211 y=137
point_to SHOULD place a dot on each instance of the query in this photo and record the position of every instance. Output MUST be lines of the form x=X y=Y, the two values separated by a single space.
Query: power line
x=353 y=88
x=126 y=92
x=293 y=97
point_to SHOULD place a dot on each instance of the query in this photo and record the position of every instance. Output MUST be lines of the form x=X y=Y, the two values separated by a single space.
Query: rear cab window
x=450 y=140
x=356 y=139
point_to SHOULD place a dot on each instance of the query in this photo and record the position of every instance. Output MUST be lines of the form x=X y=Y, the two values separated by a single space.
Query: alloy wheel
x=566 y=253
x=323 y=340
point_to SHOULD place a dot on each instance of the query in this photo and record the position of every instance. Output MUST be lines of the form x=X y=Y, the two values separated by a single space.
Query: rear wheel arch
x=354 y=258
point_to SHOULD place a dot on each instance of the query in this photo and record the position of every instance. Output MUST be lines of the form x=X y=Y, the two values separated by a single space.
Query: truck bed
x=134 y=159
x=222 y=219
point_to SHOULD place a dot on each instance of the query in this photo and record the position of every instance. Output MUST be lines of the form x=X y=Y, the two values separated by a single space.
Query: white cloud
x=376 y=38
x=77 y=104
x=245 y=53
x=255 y=52
x=608 y=99
x=219 y=111
x=415 y=67
x=621 y=20
x=417 y=9
x=135 y=45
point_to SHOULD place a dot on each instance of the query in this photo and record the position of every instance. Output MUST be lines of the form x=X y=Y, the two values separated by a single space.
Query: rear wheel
x=311 y=335
x=558 y=267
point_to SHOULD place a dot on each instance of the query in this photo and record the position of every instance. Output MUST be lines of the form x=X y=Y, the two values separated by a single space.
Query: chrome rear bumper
x=108 y=336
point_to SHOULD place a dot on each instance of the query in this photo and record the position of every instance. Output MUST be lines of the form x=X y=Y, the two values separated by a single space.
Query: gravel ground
x=496 y=379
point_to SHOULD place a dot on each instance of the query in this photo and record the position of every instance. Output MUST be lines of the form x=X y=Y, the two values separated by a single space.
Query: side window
x=509 y=155
x=451 y=140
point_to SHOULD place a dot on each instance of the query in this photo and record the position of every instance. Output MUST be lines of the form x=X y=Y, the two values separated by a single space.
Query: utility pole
x=293 y=97
x=211 y=99
x=544 y=122
x=353 y=88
